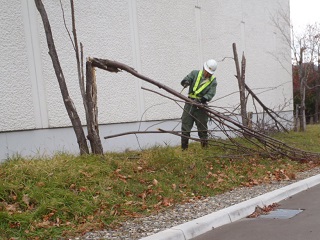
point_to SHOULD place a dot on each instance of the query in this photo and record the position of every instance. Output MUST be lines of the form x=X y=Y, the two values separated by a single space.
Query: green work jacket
x=208 y=92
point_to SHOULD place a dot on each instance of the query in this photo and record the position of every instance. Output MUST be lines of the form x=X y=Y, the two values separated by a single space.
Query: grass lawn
x=67 y=195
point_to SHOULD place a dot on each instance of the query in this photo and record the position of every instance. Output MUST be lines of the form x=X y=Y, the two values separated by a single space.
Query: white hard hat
x=210 y=66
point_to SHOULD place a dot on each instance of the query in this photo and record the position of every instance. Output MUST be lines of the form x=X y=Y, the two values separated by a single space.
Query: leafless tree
x=241 y=83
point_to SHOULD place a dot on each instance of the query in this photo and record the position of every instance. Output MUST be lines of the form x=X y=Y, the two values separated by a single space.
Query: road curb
x=233 y=213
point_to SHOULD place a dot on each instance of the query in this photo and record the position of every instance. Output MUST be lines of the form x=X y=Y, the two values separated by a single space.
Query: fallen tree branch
x=130 y=133
x=268 y=110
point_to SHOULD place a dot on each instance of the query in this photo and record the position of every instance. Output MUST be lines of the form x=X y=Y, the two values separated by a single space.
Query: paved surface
x=304 y=225
x=231 y=223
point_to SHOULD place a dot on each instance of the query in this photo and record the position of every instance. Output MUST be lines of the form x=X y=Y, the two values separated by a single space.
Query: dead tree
x=79 y=59
x=89 y=92
x=241 y=83
x=92 y=107
x=243 y=87
x=72 y=112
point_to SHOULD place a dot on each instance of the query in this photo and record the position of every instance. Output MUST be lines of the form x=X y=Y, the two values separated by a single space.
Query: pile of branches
x=259 y=143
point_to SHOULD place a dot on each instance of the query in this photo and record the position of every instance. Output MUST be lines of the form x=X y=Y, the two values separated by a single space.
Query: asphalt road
x=278 y=225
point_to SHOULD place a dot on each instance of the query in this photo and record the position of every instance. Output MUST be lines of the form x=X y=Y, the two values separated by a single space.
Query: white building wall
x=163 y=40
x=17 y=106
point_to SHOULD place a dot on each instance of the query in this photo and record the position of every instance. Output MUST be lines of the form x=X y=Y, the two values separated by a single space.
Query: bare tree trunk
x=89 y=93
x=302 y=112
x=241 y=82
x=317 y=104
x=79 y=59
x=303 y=123
x=72 y=112
x=92 y=121
x=297 y=119
x=302 y=79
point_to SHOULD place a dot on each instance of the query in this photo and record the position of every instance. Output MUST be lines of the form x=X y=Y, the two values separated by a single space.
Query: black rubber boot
x=184 y=143
x=204 y=143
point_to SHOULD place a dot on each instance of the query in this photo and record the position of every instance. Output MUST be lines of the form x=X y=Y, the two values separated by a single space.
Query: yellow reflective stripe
x=193 y=96
x=197 y=81
x=202 y=87
x=197 y=91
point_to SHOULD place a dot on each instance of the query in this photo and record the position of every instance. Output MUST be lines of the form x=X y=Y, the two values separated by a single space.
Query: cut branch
x=268 y=110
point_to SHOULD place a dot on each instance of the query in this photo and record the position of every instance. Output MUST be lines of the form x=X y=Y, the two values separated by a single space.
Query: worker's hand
x=203 y=100
x=185 y=83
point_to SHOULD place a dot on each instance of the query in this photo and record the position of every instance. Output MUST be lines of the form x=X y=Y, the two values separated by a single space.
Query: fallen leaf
x=48 y=216
x=220 y=180
x=143 y=195
x=210 y=174
x=129 y=194
x=292 y=176
x=142 y=181
x=85 y=173
x=26 y=199
x=255 y=182
x=44 y=224
x=41 y=184
x=128 y=203
x=167 y=202
x=90 y=218
x=263 y=211
x=155 y=182
x=11 y=207
x=14 y=225
x=13 y=197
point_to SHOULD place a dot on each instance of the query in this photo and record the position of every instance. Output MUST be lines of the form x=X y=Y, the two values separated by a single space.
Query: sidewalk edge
x=233 y=213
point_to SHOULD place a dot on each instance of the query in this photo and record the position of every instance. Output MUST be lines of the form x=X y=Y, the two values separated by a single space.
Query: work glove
x=185 y=83
x=203 y=100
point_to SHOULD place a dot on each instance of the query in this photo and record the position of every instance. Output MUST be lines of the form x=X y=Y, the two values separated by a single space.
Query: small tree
x=305 y=53
x=310 y=93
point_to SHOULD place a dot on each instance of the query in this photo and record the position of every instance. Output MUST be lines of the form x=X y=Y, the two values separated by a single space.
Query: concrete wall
x=163 y=40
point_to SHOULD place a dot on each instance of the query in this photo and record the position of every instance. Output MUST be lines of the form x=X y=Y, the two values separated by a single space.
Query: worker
x=202 y=88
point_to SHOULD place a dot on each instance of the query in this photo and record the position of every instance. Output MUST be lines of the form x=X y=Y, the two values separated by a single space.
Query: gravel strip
x=146 y=226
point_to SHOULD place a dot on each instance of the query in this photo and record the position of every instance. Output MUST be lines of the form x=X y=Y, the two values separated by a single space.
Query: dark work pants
x=191 y=114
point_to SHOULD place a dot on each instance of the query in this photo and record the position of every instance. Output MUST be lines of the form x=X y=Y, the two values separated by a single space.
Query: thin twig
x=65 y=25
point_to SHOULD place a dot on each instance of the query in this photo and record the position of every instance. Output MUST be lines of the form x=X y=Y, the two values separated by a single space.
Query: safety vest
x=196 y=90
